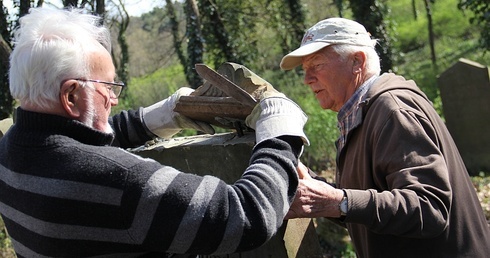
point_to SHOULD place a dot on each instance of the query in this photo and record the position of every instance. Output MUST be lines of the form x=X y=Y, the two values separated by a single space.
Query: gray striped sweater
x=65 y=192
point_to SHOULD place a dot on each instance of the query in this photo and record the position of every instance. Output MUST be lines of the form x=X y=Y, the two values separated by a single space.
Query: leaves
x=481 y=11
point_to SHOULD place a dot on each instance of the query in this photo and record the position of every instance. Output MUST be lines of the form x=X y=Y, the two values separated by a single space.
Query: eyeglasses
x=114 y=88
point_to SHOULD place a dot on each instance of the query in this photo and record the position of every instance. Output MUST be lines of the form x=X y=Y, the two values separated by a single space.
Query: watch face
x=343 y=206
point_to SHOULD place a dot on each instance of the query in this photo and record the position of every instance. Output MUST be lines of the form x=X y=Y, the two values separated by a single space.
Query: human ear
x=359 y=62
x=70 y=97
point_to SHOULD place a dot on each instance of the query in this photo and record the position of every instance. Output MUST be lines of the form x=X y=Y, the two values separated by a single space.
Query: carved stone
x=465 y=94
x=208 y=103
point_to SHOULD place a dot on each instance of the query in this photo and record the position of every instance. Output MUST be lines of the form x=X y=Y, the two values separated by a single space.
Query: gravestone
x=226 y=156
x=465 y=94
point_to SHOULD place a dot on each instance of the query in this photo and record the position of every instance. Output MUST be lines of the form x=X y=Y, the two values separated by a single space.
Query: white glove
x=161 y=119
x=275 y=115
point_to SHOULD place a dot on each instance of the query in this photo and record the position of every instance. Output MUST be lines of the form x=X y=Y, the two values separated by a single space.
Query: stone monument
x=465 y=93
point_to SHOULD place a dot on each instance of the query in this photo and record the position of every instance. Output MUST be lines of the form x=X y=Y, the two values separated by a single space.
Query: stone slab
x=227 y=156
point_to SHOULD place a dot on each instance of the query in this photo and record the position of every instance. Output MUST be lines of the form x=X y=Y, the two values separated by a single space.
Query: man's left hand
x=314 y=198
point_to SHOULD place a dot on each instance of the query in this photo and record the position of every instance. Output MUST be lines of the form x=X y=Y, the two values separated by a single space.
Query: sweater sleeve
x=411 y=169
x=129 y=130
x=187 y=213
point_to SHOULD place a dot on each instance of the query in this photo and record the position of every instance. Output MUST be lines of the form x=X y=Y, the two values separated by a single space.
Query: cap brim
x=293 y=59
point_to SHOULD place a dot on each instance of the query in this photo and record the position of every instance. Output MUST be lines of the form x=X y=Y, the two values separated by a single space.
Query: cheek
x=324 y=100
x=101 y=121
x=104 y=101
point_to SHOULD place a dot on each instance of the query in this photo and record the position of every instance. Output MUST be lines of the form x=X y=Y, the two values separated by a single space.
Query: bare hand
x=314 y=198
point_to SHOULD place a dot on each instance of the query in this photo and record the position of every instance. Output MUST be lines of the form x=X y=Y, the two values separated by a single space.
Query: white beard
x=91 y=116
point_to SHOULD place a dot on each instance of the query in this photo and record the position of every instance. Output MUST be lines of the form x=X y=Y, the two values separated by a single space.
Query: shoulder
x=103 y=158
x=392 y=93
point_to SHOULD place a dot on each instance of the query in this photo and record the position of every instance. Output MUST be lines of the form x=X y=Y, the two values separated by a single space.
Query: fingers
x=183 y=91
x=204 y=127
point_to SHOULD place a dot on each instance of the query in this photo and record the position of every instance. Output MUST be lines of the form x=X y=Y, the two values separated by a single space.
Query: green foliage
x=288 y=35
x=409 y=37
x=334 y=239
x=151 y=42
x=372 y=14
x=481 y=11
x=146 y=90
x=321 y=127
x=482 y=186
x=229 y=29
x=6 y=248
x=455 y=38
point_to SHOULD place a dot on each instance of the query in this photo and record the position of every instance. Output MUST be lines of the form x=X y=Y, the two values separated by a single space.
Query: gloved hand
x=276 y=115
x=161 y=119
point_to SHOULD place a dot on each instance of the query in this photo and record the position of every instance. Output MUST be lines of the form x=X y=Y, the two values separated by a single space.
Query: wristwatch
x=343 y=205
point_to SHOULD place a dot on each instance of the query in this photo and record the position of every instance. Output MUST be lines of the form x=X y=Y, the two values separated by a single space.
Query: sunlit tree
x=371 y=13
x=481 y=10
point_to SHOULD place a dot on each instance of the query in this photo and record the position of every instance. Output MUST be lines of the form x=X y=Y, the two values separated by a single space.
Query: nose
x=114 y=101
x=309 y=77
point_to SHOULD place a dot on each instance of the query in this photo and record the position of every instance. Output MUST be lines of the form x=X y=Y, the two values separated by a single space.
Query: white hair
x=50 y=46
x=373 y=66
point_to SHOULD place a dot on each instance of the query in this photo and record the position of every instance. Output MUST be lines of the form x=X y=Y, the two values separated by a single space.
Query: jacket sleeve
x=410 y=170
x=187 y=213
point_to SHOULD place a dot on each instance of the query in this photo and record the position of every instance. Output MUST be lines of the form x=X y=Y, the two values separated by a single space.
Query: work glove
x=161 y=119
x=276 y=115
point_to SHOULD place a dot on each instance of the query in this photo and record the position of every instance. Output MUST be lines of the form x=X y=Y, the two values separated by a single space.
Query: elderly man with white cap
x=401 y=187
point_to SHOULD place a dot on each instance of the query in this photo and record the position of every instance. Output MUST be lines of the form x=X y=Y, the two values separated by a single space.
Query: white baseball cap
x=328 y=32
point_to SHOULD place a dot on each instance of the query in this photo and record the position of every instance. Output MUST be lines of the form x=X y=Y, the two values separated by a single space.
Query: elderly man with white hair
x=67 y=189
x=401 y=189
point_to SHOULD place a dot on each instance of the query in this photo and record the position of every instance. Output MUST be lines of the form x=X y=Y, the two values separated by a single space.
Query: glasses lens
x=116 y=90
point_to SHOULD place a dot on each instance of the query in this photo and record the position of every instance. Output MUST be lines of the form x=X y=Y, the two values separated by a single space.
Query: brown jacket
x=409 y=192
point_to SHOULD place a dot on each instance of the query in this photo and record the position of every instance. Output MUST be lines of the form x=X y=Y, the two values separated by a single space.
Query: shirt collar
x=350 y=115
x=356 y=98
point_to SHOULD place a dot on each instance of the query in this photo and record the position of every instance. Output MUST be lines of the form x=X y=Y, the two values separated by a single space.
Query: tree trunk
x=70 y=3
x=370 y=14
x=100 y=7
x=120 y=20
x=6 y=100
x=431 y=33
x=24 y=6
x=217 y=35
x=195 y=46
x=414 y=10
x=340 y=7
x=297 y=21
x=177 y=42
x=5 y=51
